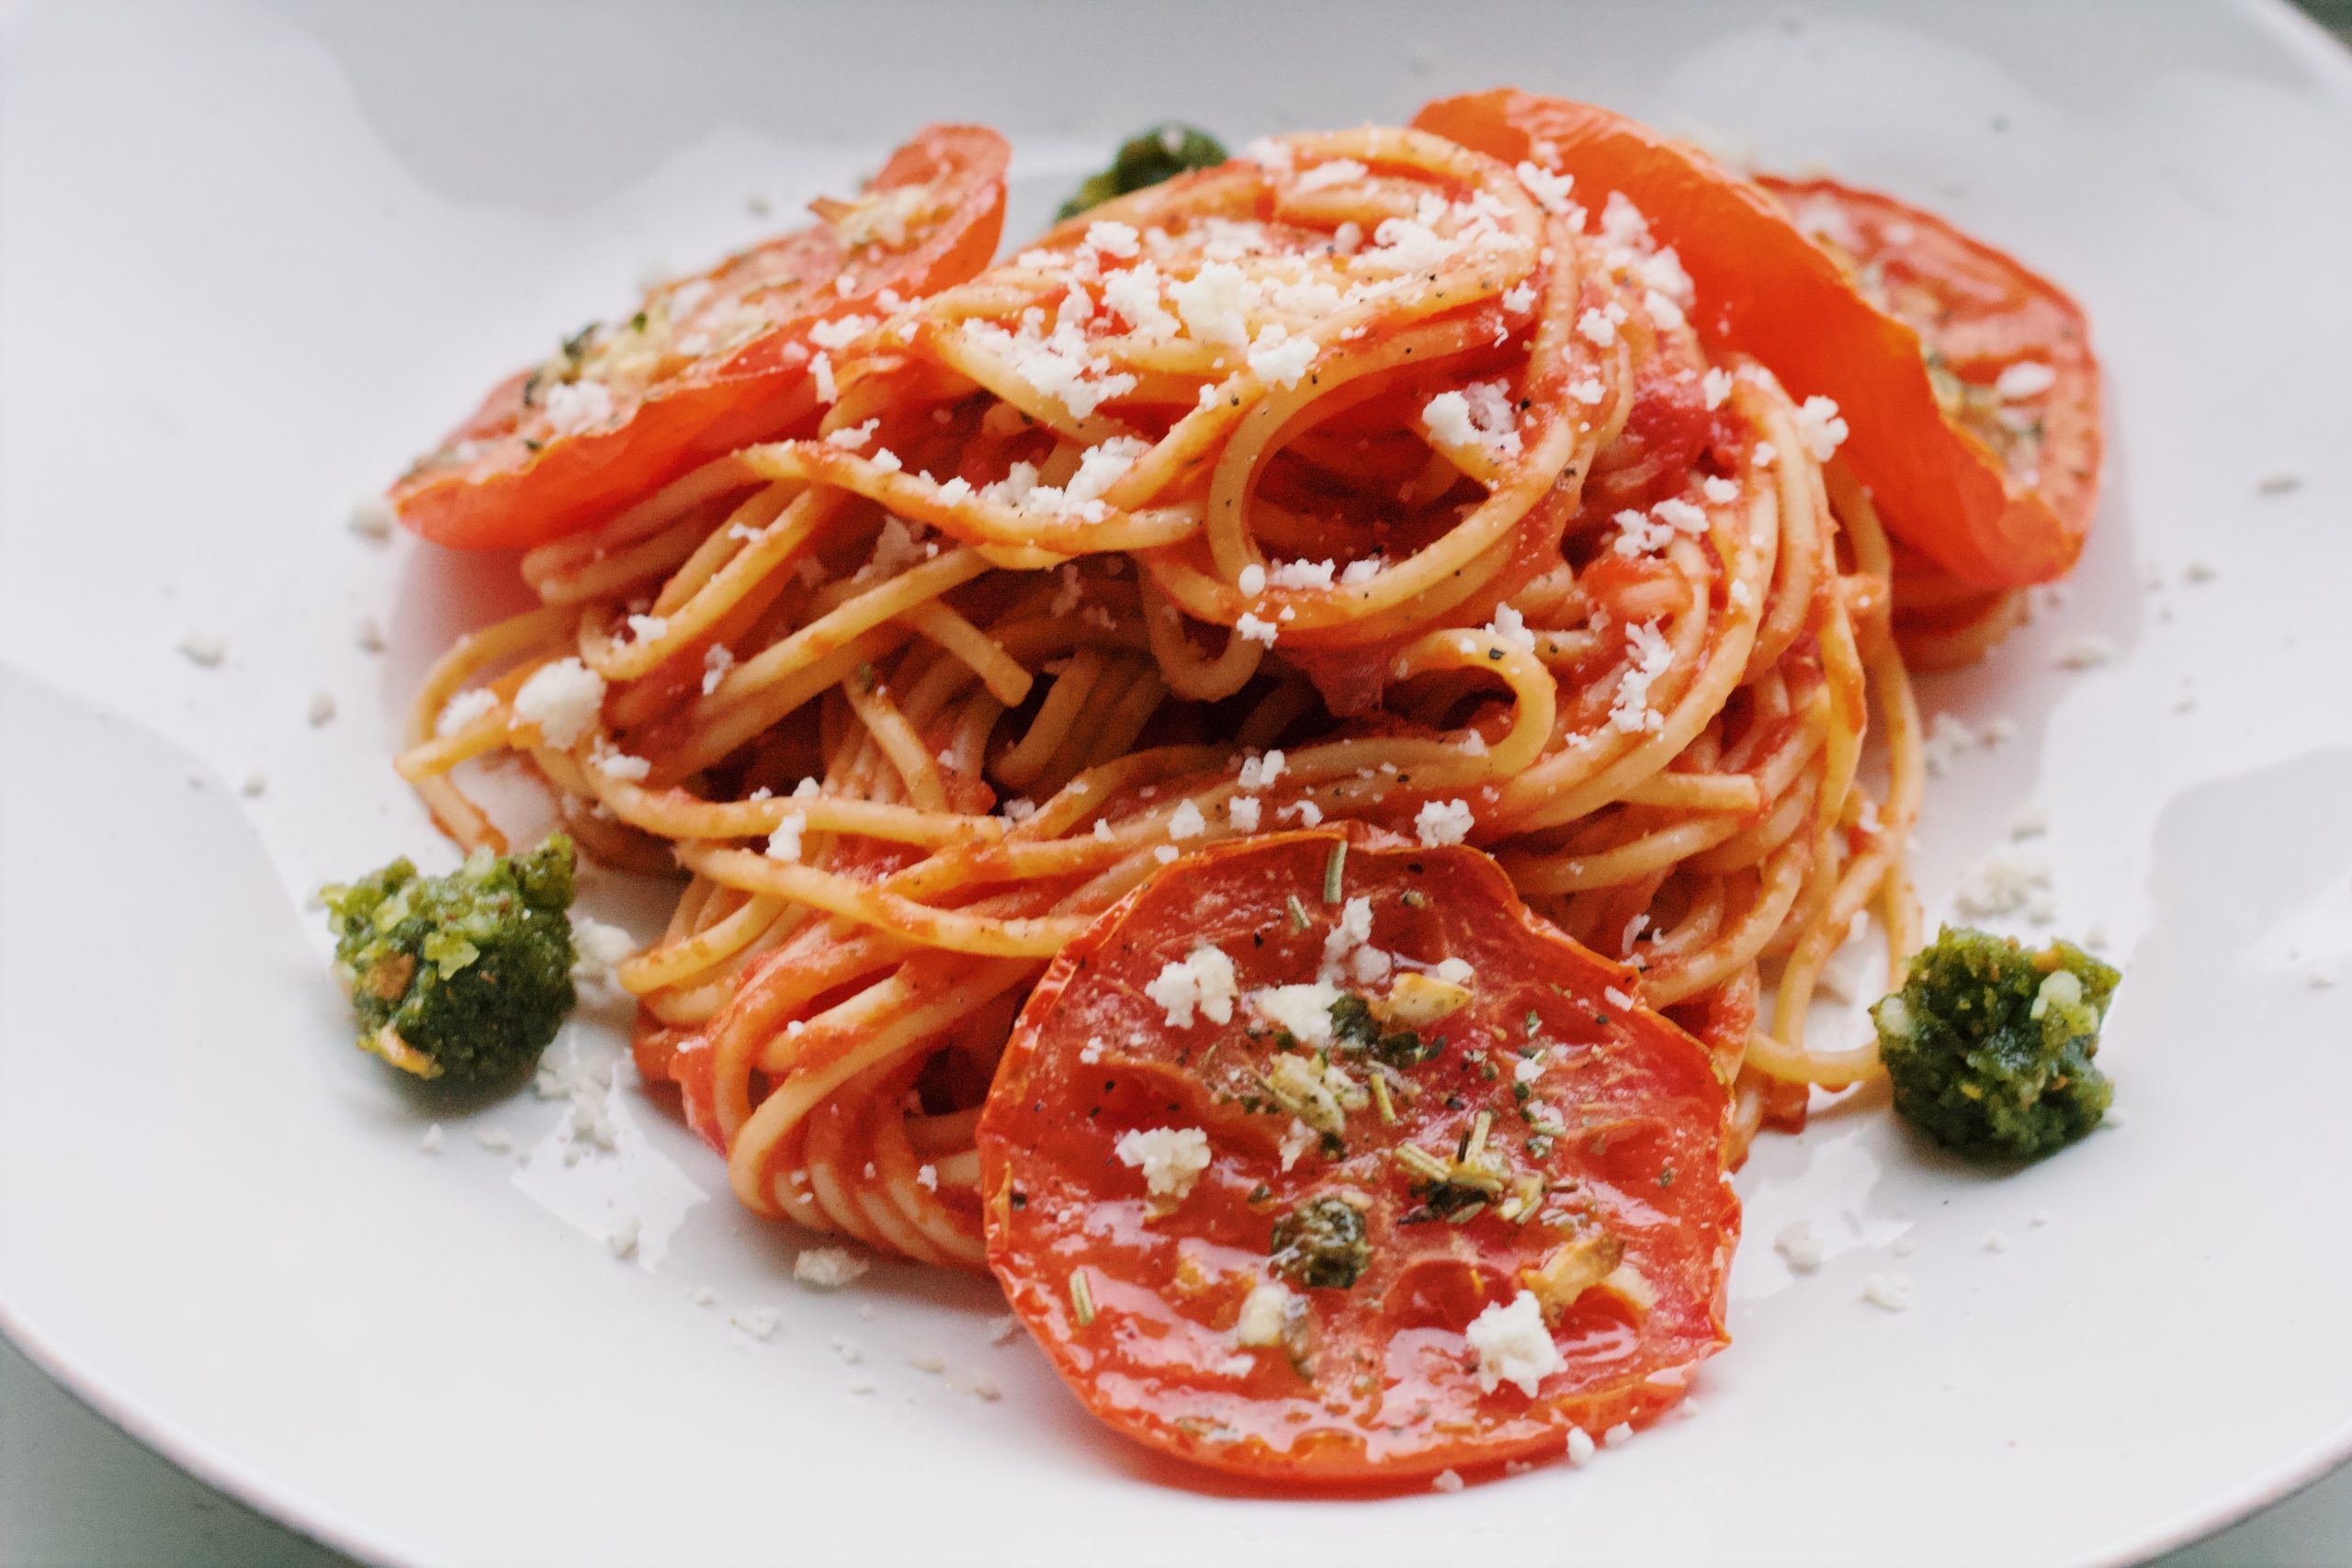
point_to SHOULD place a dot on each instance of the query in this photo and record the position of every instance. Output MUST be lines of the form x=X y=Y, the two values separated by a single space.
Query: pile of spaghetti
x=1516 y=481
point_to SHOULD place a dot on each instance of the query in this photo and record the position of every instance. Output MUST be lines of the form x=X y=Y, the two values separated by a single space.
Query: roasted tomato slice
x=707 y=364
x=1321 y=1158
x=1767 y=290
x=2008 y=354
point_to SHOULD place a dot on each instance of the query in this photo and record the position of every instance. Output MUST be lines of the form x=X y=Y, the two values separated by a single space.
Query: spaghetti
x=1363 y=479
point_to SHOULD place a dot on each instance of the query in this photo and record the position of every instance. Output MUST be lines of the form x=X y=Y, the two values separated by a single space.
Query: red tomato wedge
x=1767 y=290
x=707 y=363
x=1986 y=324
x=1435 y=1225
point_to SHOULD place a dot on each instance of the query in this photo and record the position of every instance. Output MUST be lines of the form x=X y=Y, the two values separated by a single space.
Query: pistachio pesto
x=467 y=976
x=1989 y=1044
x=1145 y=159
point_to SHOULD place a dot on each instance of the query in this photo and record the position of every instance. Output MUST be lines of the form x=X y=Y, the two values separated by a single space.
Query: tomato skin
x=1392 y=1398
x=1768 y=291
x=1980 y=312
x=503 y=492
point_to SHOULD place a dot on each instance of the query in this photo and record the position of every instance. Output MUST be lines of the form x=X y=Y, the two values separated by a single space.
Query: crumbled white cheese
x=1302 y=574
x=1479 y=416
x=1279 y=359
x=1257 y=629
x=2025 y=378
x=574 y=406
x=463 y=709
x=1890 y=1291
x=1348 y=932
x=584 y=1084
x=433 y=1140
x=1186 y=822
x=1305 y=1012
x=1799 y=1247
x=1243 y=811
x=759 y=1323
x=1819 y=427
x=841 y=332
x=1550 y=190
x=321 y=709
x=1201 y=982
x=1629 y=711
x=622 y=1238
x=563 y=699
x=1617 y=1437
x=1213 y=303
x=828 y=1267
x=1510 y=628
x=372 y=518
x=1443 y=821
x=204 y=650
x=1596 y=328
x=1513 y=1345
x=2085 y=653
x=2008 y=880
x=1947 y=739
x=598 y=949
x=784 y=844
x=1580 y=1445
x=1446 y=1481
x=1260 y=772
x=1715 y=386
x=621 y=765
x=1172 y=1158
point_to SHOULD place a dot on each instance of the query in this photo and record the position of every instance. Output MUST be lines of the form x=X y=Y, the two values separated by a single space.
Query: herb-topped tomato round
x=1323 y=1158
x=2007 y=352
x=709 y=363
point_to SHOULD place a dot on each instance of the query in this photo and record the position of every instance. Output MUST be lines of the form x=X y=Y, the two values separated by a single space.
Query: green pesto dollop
x=1145 y=159
x=467 y=976
x=1322 y=1244
x=1989 y=1044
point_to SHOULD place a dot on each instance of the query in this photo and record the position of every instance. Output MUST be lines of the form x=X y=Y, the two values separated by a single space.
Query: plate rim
x=115 y=1401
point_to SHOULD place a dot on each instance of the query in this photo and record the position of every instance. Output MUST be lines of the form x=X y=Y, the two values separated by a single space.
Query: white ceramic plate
x=255 y=254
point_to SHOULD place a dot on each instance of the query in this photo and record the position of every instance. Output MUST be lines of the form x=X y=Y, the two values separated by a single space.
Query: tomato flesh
x=1768 y=291
x=1620 y=1131
x=707 y=363
x=1980 y=315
